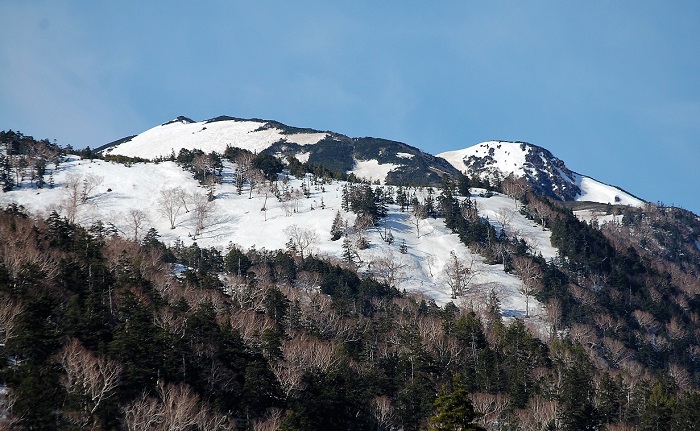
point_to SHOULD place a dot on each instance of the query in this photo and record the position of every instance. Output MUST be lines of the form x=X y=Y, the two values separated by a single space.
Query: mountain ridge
x=491 y=160
x=335 y=151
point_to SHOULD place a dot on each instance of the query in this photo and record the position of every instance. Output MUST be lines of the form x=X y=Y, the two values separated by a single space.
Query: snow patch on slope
x=303 y=157
x=372 y=170
x=597 y=217
x=507 y=156
x=595 y=191
x=499 y=209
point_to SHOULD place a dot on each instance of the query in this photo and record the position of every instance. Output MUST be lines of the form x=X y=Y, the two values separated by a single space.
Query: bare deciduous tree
x=617 y=353
x=89 y=183
x=178 y=409
x=491 y=406
x=271 y=422
x=202 y=211
x=310 y=353
x=458 y=275
x=539 y=414
x=362 y=223
x=383 y=412
x=92 y=378
x=554 y=312
x=582 y=295
x=543 y=212
x=301 y=239
x=607 y=323
x=264 y=187
x=388 y=268
x=681 y=376
x=142 y=414
x=544 y=410
x=251 y=325
x=8 y=422
x=71 y=188
x=582 y=333
x=515 y=187
x=244 y=164
x=301 y=354
x=646 y=320
x=430 y=262
x=676 y=329
x=171 y=322
x=530 y=276
x=10 y=310
x=504 y=216
x=170 y=204
x=288 y=376
x=418 y=214
x=137 y=219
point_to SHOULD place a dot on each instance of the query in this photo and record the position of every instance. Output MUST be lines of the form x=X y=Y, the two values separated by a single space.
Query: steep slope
x=546 y=174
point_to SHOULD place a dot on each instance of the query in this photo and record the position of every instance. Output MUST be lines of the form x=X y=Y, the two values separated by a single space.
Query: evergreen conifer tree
x=337 y=227
x=347 y=250
x=455 y=411
x=658 y=411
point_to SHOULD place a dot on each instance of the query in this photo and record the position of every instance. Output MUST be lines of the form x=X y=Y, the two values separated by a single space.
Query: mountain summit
x=545 y=173
x=372 y=158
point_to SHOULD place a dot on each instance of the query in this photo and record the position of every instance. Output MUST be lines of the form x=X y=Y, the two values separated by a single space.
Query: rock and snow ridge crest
x=547 y=174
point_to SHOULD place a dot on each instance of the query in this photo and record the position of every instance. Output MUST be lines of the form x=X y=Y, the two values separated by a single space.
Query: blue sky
x=612 y=88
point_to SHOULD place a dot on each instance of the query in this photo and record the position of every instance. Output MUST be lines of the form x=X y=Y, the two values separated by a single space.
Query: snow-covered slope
x=372 y=170
x=122 y=190
x=504 y=157
x=595 y=191
x=547 y=174
x=208 y=136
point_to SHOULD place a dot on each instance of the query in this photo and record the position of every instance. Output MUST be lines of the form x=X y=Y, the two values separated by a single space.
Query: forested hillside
x=102 y=330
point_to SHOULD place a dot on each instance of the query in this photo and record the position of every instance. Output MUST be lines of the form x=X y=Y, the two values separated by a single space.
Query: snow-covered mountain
x=371 y=158
x=210 y=135
x=236 y=256
x=546 y=174
x=121 y=193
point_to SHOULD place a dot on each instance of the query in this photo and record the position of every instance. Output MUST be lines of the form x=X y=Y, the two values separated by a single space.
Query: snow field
x=161 y=141
x=595 y=191
x=238 y=219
